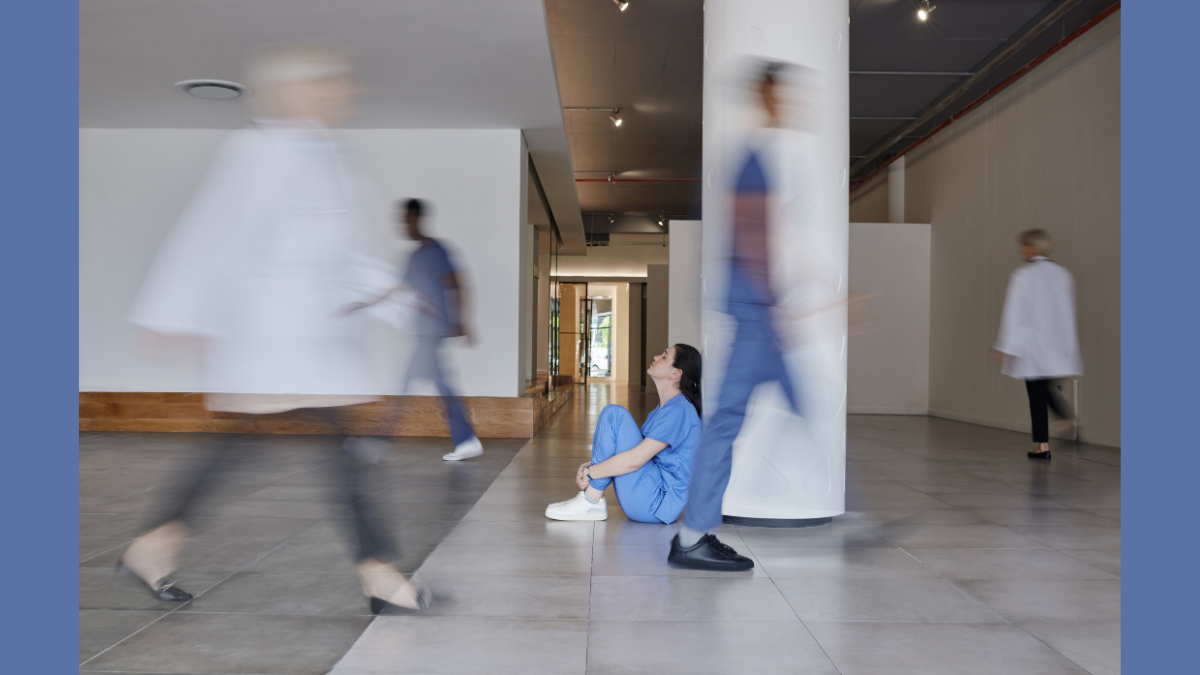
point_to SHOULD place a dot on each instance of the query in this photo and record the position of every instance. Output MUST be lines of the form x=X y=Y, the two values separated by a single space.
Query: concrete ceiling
x=474 y=64
x=649 y=62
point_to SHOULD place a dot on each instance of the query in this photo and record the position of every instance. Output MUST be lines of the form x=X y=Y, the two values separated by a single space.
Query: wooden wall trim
x=492 y=417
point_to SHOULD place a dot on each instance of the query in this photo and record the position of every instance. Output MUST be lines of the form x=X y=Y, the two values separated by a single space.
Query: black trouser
x=370 y=538
x=1043 y=395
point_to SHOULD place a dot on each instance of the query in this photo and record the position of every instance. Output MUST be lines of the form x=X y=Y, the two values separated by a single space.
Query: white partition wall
x=683 y=310
x=786 y=467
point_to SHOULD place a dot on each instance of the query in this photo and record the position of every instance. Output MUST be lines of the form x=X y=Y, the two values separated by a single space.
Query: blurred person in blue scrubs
x=650 y=468
x=756 y=355
x=1038 y=341
x=271 y=248
x=440 y=298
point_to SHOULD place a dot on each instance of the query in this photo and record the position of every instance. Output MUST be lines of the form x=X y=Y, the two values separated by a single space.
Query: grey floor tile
x=100 y=629
x=884 y=601
x=1008 y=563
x=1067 y=600
x=955 y=536
x=850 y=563
x=467 y=560
x=938 y=649
x=1042 y=518
x=1106 y=560
x=995 y=500
x=703 y=648
x=496 y=597
x=942 y=516
x=841 y=533
x=235 y=643
x=632 y=533
x=90 y=547
x=285 y=593
x=467 y=646
x=544 y=533
x=671 y=598
x=1095 y=645
x=1073 y=537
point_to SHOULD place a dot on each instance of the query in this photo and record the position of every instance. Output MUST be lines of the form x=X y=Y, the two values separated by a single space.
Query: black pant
x=370 y=538
x=1045 y=394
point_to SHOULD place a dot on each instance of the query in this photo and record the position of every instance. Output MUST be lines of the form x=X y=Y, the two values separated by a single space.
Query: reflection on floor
x=957 y=555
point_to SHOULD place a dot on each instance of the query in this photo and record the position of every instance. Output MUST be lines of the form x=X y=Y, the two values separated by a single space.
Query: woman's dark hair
x=687 y=359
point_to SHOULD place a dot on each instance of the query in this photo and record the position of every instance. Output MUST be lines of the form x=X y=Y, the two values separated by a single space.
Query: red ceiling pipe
x=637 y=180
x=994 y=90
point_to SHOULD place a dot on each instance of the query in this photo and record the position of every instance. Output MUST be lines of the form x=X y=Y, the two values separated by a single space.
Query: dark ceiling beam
x=937 y=73
x=1025 y=36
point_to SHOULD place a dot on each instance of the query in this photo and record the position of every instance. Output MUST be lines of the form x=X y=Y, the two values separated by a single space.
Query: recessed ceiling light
x=223 y=90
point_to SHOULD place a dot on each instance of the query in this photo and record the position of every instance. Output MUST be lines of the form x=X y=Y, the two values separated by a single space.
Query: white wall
x=888 y=364
x=1045 y=153
x=135 y=182
x=637 y=355
x=657 y=312
x=685 y=297
x=613 y=261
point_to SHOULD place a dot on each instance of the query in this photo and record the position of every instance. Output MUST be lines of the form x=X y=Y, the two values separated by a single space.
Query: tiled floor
x=957 y=555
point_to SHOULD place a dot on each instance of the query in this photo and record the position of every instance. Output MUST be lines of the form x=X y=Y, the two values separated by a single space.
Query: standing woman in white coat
x=1038 y=342
x=271 y=248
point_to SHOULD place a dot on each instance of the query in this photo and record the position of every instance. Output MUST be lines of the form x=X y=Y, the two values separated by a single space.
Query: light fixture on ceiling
x=615 y=116
x=621 y=5
x=611 y=219
x=925 y=10
x=662 y=222
x=220 y=90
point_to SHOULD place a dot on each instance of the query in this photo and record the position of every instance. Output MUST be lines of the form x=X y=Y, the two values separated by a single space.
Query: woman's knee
x=614 y=413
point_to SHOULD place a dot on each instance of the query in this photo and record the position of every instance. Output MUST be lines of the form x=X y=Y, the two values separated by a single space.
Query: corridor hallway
x=957 y=554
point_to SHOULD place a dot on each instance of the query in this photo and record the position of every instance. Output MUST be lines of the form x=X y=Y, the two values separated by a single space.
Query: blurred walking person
x=440 y=299
x=1038 y=341
x=272 y=247
x=755 y=357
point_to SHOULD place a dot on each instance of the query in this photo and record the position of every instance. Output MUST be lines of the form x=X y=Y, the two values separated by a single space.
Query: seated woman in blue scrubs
x=651 y=467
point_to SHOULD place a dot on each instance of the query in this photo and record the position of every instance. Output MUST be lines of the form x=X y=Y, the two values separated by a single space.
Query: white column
x=786 y=467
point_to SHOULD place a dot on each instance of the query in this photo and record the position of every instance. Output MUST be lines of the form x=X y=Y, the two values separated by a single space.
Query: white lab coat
x=1037 y=327
x=271 y=249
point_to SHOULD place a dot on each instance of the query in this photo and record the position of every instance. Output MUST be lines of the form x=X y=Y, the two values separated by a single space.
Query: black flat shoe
x=1039 y=455
x=424 y=600
x=708 y=554
x=163 y=590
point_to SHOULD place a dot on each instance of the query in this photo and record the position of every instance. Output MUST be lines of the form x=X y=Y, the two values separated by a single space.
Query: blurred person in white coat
x=1038 y=341
x=271 y=248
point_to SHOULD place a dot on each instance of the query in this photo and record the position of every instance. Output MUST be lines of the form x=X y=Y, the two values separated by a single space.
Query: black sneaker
x=708 y=554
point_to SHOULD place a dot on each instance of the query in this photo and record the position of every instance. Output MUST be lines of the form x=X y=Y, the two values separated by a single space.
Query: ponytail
x=687 y=359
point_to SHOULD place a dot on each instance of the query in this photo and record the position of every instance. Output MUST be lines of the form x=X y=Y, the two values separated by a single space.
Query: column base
x=776 y=522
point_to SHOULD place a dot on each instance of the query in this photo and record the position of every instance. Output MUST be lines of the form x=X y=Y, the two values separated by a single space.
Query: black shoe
x=424 y=600
x=163 y=590
x=708 y=554
x=1039 y=455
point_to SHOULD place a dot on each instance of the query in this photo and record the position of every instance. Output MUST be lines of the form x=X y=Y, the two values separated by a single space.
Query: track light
x=611 y=219
x=621 y=5
x=616 y=118
x=662 y=221
x=925 y=10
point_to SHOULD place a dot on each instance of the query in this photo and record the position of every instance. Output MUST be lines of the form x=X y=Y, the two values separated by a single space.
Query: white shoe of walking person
x=578 y=508
x=465 y=450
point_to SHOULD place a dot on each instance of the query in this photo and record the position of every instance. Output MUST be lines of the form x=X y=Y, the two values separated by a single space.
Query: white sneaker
x=578 y=508
x=465 y=450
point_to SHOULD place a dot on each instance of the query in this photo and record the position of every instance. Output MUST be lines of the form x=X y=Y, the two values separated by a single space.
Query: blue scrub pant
x=638 y=493
x=754 y=358
x=427 y=363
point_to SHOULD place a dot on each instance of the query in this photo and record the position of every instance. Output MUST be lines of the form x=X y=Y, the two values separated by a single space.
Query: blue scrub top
x=676 y=424
x=427 y=269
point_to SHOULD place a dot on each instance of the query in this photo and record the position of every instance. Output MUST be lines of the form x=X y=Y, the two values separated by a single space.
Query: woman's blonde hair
x=1041 y=242
x=269 y=72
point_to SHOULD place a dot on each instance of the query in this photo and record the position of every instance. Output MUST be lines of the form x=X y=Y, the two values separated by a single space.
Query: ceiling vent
x=221 y=90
